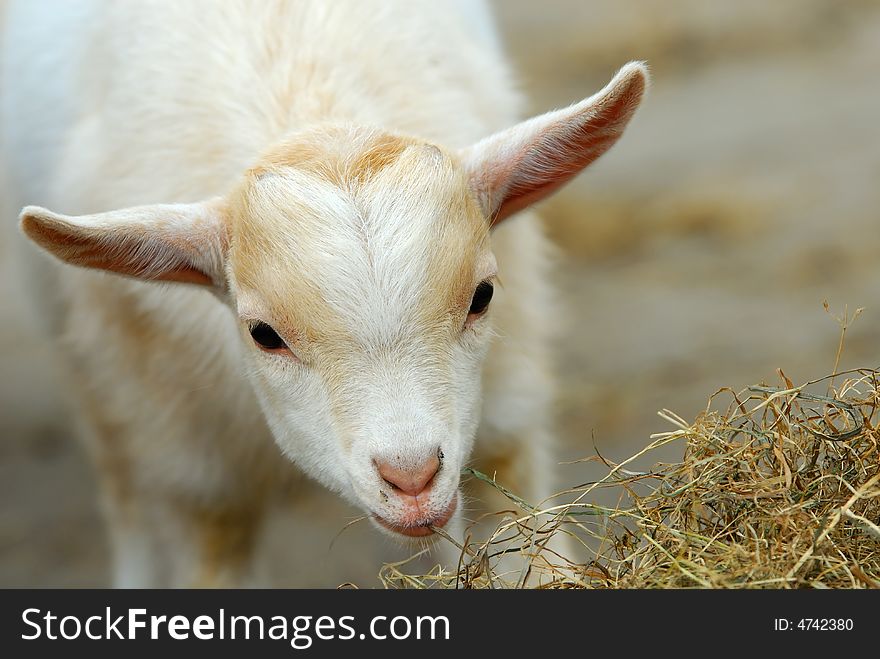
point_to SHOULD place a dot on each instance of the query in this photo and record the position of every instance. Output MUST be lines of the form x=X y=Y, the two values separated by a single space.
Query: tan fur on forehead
x=459 y=235
x=340 y=154
x=344 y=224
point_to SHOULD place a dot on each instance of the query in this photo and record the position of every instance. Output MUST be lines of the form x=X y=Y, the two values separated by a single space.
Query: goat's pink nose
x=410 y=481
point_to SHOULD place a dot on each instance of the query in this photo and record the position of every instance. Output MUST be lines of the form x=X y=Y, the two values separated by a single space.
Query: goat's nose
x=412 y=481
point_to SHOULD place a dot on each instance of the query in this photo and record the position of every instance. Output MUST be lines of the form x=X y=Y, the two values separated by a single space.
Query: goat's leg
x=162 y=538
x=136 y=547
x=179 y=543
x=214 y=545
x=179 y=511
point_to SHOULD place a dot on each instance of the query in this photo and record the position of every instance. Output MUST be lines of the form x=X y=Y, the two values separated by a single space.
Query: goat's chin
x=419 y=533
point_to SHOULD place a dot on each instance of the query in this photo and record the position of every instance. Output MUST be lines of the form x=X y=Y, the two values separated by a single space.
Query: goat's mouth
x=423 y=528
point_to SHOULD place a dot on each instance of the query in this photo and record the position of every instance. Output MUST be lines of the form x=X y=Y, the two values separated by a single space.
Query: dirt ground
x=695 y=255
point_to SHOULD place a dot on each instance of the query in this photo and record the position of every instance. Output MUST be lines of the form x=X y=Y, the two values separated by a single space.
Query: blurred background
x=694 y=255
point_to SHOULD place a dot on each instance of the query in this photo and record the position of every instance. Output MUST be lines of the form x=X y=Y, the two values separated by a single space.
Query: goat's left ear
x=166 y=242
x=521 y=165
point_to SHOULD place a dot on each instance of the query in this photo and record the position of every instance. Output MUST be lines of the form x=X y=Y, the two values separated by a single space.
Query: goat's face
x=358 y=266
x=362 y=276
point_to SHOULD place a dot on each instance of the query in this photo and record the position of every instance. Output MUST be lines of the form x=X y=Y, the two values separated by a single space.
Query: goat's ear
x=514 y=168
x=166 y=242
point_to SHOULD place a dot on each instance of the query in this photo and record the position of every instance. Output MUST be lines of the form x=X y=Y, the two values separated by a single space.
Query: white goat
x=334 y=210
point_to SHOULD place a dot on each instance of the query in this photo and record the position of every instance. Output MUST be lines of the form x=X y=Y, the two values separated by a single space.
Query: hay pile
x=779 y=487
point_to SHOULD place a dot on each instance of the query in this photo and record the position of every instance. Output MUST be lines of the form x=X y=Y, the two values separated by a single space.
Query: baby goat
x=338 y=183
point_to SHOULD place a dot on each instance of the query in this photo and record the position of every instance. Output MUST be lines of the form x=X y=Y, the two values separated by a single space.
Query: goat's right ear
x=166 y=242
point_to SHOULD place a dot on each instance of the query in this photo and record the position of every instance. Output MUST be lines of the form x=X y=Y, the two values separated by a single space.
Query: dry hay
x=779 y=487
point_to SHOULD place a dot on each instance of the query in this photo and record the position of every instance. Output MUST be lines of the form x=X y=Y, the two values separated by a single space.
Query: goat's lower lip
x=422 y=529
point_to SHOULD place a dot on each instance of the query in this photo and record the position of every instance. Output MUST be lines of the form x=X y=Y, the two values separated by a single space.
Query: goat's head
x=359 y=267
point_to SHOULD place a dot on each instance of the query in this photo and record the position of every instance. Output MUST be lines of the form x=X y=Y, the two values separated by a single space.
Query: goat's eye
x=482 y=297
x=265 y=337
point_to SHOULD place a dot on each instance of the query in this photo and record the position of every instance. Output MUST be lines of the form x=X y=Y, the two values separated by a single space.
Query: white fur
x=115 y=105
